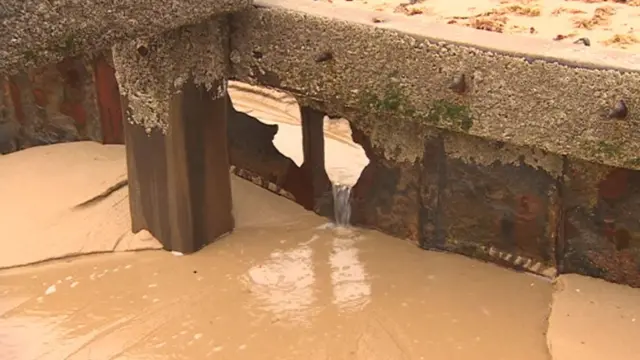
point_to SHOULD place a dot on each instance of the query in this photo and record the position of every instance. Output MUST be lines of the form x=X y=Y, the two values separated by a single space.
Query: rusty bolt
x=459 y=84
x=619 y=111
x=585 y=41
x=143 y=50
x=257 y=54
x=323 y=56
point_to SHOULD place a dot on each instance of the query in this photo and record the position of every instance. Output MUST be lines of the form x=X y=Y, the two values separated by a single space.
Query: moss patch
x=605 y=149
x=393 y=101
x=457 y=116
x=634 y=162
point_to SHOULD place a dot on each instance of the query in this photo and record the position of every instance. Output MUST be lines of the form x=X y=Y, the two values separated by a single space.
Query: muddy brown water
x=285 y=285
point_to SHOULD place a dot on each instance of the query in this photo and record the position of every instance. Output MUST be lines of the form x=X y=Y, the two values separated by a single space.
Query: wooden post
x=180 y=189
x=314 y=159
x=175 y=105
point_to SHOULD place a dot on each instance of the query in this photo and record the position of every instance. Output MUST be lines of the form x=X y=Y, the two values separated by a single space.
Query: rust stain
x=526 y=228
x=71 y=71
x=40 y=97
x=109 y=104
x=76 y=111
x=14 y=92
x=299 y=184
x=615 y=185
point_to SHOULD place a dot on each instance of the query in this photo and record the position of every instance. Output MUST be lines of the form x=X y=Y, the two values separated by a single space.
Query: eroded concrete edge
x=398 y=81
x=150 y=69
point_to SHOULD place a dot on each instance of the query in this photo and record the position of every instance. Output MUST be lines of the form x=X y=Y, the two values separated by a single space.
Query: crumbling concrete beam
x=397 y=77
x=38 y=32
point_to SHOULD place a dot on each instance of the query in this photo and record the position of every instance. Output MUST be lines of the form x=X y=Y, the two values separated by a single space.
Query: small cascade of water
x=342 y=204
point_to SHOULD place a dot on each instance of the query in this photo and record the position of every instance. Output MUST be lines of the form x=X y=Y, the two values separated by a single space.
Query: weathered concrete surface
x=38 y=32
x=601 y=230
x=394 y=79
x=151 y=70
x=41 y=188
x=592 y=319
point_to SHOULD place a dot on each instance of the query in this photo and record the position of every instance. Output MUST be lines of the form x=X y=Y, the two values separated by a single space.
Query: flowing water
x=283 y=285
x=342 y=204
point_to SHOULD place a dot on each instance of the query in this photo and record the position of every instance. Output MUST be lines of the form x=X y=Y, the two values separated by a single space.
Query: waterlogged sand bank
x=606 y=23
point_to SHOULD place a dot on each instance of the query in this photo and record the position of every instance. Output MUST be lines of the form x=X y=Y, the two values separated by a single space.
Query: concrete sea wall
x=519 y=151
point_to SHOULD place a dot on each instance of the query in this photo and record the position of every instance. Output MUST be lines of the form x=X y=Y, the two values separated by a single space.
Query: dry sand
x=609 y=23
x=594 y=320
x=41 y=186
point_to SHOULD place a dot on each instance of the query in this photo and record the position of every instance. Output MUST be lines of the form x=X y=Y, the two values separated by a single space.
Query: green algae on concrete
x=450 y=115
x=393 y=100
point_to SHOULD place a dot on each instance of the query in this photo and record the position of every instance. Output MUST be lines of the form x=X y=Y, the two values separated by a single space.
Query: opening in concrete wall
x=278 y=146
x=344 y=158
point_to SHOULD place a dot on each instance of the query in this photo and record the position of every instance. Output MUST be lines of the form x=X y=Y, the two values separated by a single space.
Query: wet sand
x=280 y=287
x=605 y=23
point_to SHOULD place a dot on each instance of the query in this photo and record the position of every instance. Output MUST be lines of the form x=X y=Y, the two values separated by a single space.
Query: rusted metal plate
x=108 y=98
x=492 y=204
x=602 y=222
x=386 y=197
x=55 y=103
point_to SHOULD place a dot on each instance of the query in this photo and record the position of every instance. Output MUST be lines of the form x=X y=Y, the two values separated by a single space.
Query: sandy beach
x=605 y=23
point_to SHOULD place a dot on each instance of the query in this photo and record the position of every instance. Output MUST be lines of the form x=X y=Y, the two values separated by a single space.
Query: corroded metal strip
x=394 y=79
x=260 y=181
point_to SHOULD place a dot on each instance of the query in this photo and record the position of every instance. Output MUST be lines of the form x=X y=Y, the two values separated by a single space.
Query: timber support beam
x=174 y=89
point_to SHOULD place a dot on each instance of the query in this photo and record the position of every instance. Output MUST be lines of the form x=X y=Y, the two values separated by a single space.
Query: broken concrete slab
x=592 y=319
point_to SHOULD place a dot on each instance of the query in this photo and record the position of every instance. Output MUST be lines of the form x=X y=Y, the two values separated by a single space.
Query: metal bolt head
x=459 y=84
x=619 y=111
x=323 y=56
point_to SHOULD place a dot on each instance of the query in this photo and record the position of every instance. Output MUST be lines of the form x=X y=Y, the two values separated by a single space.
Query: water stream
x=342 y=204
